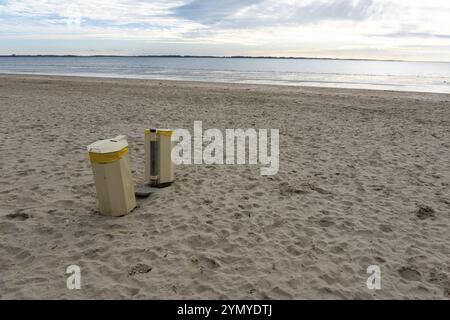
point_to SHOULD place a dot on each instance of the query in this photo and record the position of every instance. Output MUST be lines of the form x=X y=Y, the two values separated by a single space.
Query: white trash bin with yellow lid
x=112 y=174
x=159 y=167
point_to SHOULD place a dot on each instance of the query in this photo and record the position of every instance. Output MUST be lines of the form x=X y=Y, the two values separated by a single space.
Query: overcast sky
x=378 y=29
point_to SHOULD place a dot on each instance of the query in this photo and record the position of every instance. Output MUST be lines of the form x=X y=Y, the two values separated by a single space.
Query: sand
x=364 y=180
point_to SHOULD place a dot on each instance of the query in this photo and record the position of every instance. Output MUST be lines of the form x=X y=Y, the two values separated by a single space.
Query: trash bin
x=159 y=167
x=112 y=175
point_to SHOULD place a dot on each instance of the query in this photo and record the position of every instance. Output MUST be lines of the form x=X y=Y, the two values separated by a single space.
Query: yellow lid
x=109 y=150
x=104 y=158
x=164 y=132
x=109 y=145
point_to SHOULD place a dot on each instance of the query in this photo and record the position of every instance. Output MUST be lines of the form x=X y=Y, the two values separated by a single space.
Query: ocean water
x=381 y=75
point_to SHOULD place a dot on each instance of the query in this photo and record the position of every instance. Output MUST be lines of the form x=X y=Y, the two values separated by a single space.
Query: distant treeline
x=179 y=56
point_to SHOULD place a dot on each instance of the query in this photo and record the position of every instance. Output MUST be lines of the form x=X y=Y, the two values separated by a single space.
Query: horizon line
x=203 y=56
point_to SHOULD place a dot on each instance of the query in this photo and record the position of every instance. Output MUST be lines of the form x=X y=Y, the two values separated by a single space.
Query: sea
x=356 y=74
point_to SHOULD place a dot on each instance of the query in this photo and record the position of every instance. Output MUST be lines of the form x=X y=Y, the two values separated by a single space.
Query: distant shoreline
x=207 y=56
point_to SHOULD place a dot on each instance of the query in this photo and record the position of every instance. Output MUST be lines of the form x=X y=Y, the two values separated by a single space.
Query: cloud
x=113 y=12
x=254 y=13
x=413 y=35
x=334 y=10
x=211 y=11
x=256 y=27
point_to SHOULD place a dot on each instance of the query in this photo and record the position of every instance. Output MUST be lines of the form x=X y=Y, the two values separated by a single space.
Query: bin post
x=159 y=167
x=112 y=174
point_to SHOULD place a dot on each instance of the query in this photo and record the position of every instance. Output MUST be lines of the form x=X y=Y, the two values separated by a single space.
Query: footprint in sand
x=25 y=256
x=410 y=274
x=288 y=190
x=425 y=212
x=326 y=222
x=139 y=269
x=20 y=216
x=385 y=228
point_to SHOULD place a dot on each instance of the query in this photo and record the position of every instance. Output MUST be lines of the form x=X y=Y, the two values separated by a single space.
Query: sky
x=356 y=29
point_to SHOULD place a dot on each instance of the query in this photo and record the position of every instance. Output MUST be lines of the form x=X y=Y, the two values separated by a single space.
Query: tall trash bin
x=159 y=167
x=113 y=181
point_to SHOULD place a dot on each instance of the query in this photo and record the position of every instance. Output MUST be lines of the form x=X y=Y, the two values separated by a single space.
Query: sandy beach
x=364 y=179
